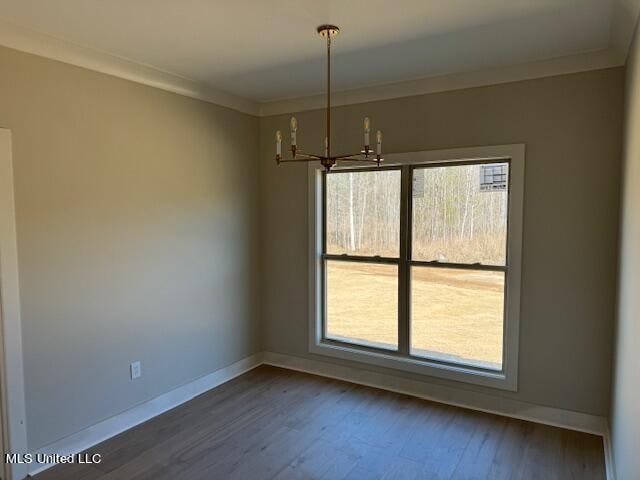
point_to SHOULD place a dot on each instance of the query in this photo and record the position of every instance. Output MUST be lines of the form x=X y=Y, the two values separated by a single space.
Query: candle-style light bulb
x=278 y=143
x=379 y=142
x=367 y=126
x=294 y=129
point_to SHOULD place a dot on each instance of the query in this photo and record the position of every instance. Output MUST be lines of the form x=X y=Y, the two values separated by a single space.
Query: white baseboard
x=452 y=396
x=106 y=429
x=110 y=427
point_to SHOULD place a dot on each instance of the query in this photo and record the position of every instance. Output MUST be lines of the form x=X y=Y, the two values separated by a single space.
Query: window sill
x=458 y=373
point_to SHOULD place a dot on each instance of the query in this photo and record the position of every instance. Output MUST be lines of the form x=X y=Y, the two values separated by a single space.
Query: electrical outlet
x=136 y=370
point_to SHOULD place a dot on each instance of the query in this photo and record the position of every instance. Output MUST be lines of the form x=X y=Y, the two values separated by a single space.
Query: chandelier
x=328 y=160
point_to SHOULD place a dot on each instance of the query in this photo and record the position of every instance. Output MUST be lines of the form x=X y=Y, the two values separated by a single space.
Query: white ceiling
x=264 y=50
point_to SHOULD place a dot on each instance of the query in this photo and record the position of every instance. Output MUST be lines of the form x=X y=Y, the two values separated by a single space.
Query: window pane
x=457 y=315
x=362 y=303
x=363 y=213
x=460 y=213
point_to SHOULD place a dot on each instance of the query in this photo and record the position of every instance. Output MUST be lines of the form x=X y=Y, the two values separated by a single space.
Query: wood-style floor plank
x=272 y=423
x=186 y=419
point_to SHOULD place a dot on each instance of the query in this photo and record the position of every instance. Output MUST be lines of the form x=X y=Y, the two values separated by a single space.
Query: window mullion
x=359 y=258
x=403 y=266
x=460 y=266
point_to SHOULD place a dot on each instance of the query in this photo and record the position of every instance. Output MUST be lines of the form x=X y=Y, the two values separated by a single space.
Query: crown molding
x=624 y=17
x=43 y=45
x=455 y=81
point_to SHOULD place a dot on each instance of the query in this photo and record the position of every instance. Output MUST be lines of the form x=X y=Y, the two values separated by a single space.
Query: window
x=417 y=265
x=362 y=257
x=458 y=263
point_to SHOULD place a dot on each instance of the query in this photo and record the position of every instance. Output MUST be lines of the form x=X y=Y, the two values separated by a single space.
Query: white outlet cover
x=136 y=370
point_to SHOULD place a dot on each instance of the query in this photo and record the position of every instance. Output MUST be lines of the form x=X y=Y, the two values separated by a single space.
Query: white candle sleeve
x=379 y=142
x=294 y=129
x=366 y=131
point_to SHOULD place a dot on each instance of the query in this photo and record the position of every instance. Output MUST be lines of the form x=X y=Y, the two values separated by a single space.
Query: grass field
x=456 y=314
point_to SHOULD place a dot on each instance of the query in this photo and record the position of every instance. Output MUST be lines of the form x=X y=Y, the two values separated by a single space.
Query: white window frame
x=507 y=378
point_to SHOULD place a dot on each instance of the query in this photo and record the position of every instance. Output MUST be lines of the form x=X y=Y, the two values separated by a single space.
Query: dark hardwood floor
x=272 y=423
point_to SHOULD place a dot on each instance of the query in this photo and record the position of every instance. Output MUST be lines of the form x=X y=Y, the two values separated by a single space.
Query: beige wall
x=625 y=413
x=571 y=126
x=136 y=219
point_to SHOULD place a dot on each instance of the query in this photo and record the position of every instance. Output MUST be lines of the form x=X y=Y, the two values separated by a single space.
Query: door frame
x=12 y=399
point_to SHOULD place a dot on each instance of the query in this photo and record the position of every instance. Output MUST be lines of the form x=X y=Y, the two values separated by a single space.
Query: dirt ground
x=456 y=314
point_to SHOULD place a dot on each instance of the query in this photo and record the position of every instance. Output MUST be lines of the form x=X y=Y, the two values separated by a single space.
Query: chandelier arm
x=357 y=157
x=360 y=160
x=312 y=156
x=298 y=160
x=302 y=158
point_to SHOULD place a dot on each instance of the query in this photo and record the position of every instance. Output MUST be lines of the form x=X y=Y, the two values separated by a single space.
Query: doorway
x=13 y=438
